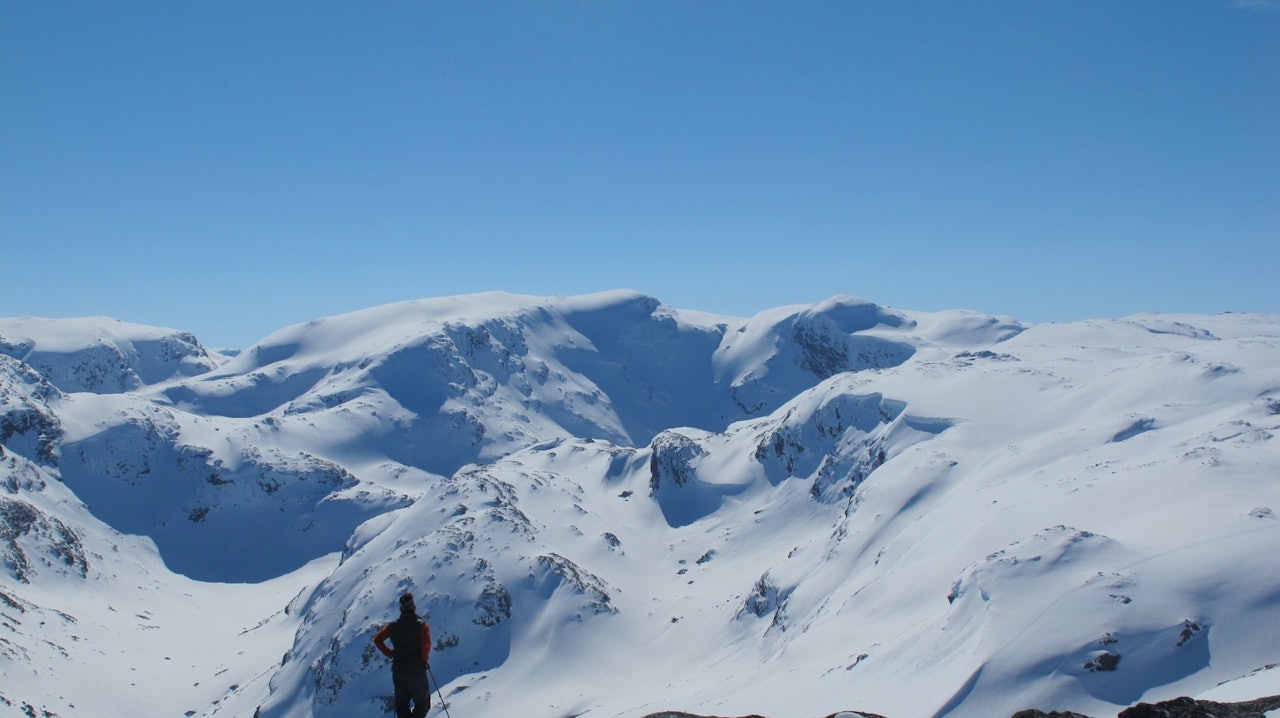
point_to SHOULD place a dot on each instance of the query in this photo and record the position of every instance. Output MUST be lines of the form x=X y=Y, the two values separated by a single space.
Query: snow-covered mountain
x=611 y=508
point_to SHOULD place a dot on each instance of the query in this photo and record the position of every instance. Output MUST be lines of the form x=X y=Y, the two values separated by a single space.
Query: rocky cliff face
x=28 y=424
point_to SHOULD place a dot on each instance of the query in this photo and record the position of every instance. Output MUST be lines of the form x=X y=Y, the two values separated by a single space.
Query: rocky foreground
x=1179 y=708
x=1176 y=708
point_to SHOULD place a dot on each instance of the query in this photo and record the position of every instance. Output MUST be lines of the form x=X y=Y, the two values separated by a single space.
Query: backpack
x=406 y=639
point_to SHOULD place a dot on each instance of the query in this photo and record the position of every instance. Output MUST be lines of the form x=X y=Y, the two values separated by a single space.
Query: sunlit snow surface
x=609 y=508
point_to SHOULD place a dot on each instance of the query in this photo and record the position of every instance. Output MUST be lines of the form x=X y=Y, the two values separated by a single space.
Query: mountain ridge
x=714 y=491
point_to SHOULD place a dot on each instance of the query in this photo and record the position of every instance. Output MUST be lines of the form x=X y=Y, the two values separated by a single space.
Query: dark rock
x=29 y=537
x=493 y=606
x=1185 y=707
x=1105 y=661
x=678 y=714
x=1177 y=708
x=671 y=460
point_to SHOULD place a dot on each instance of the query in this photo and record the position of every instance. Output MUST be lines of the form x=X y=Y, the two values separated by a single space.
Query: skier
x=410 y=647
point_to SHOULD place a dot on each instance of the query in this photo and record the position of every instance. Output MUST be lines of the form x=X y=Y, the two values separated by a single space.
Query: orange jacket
x=380 y=641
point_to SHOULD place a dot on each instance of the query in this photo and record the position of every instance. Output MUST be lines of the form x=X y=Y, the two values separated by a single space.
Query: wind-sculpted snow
x=772 y=355
x=623 y=369
x=139 y=475
x=673 y=479
x=92 y=623
x=102 y=355
x=831 y=439
x=609 y=508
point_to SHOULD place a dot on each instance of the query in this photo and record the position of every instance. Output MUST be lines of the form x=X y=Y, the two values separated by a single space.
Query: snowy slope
x=103 y=355
x=609 y=507
x=91 y=621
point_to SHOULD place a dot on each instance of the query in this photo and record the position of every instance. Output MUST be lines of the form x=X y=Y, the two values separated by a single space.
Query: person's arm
x=380 y=641
x=426 y=642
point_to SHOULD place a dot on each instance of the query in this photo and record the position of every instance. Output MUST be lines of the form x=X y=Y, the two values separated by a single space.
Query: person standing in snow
x=410 y=646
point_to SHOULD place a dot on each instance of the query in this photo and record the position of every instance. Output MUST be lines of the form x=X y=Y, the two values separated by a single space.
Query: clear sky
x=233 y=167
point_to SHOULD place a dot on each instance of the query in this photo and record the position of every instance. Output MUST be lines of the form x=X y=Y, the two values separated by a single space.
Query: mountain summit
x=608 y=507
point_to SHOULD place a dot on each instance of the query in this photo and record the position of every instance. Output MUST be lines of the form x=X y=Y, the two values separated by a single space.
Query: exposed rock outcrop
x=1177 y=708
x=841 y=714
x=1191 y=708
x=1183 y=707
x=1051 y=714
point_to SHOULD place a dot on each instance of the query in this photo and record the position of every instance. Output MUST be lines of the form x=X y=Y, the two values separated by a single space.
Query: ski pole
x=438 y=693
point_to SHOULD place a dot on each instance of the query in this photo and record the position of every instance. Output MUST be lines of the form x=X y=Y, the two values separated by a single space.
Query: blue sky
x=230 y=168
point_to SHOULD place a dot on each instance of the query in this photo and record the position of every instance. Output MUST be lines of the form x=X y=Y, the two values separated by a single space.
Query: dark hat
x=406 y=604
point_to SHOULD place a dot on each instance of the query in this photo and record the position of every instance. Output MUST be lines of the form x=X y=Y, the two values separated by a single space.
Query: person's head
x=406 y=605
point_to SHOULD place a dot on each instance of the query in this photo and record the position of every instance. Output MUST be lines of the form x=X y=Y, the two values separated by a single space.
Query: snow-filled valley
x=608 y=507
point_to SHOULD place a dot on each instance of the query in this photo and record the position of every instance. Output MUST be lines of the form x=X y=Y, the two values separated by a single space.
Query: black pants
x=411 y=685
